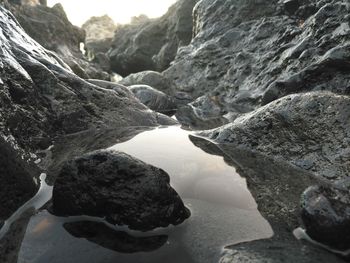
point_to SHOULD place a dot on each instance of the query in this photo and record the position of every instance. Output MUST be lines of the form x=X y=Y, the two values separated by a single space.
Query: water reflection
x=223 y=212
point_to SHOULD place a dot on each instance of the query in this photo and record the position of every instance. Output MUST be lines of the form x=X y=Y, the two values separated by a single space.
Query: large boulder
x=326 y=216
x=310 y=131
x=245 y=54
x=119 y=188
x=50 y=27
x=151 y=44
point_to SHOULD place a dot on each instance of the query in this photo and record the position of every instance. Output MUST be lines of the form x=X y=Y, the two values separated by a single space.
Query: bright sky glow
x=119 y=10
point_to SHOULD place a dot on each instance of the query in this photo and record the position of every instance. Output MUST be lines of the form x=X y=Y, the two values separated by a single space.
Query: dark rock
x=150 y=78
x=120 y=188
x=154 y=99
x=118 y=241
x=309 y=130
x=249 y=53
x=291 y=6
x=51 y=28
x=151 y=44
x=17 y=179
x=326 y=216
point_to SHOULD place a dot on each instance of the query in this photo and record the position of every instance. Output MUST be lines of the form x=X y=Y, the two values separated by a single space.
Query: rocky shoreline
x=266 y=82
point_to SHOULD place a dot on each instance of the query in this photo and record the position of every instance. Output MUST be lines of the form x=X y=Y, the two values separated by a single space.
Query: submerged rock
x=120 y=188
x=111 y=239
x=326 y=216
x=151 y=44
x=154 y=99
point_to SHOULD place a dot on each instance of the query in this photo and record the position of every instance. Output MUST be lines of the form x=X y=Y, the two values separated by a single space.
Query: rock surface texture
x=151 y=44
x=51 y=28
x=120 y=188
x=245 y=54
x=41 y=98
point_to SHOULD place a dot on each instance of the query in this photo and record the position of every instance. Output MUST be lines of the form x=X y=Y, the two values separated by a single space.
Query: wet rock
x=150 y=78
x=151 y=44
x=41 y=99
x=309 y=130
x=17 y=180
x=120 y=188
x=50 y=27
x=326 y=216
x=249 y=53
x=154 y=99
x=118 y=241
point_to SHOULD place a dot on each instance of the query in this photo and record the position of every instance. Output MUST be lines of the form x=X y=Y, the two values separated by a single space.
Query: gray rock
x=154 y=99
x=246 y=54
x=99 y=34
x=151 y=44
x=150 y=78
x=50 y=27
x=309 y=130
x=120 y=188
x=326 y=216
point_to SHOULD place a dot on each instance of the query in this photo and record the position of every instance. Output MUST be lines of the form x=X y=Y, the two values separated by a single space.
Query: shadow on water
x=223 y=211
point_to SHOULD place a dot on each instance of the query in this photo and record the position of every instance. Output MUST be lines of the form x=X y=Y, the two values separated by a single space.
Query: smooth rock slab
x=326 y=216
x=120 y=188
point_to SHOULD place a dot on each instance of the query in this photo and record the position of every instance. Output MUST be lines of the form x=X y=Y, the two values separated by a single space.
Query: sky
x=120 y=11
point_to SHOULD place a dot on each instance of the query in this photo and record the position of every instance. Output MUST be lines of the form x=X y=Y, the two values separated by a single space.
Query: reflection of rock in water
x=276 y=187
x=118 y=241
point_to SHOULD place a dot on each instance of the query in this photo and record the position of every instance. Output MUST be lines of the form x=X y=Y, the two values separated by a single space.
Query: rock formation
x=41 y=98
x=51 y=28
x=151 y=44
x=248 y=53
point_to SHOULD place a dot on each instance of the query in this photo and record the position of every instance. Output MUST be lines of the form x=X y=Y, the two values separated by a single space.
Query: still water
x=223 y=212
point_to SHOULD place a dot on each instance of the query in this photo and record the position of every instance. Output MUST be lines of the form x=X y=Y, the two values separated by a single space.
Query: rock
x=118 y=241
x=151 y=44
x=150 y=78
x=326 y=216
x=291 y=6
x=234 y=56
x=309 y=130
x=51 y=28
x=42 y=99
x=154 y=99
x=119 y=188
x=99 y=34
x=17 y=179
